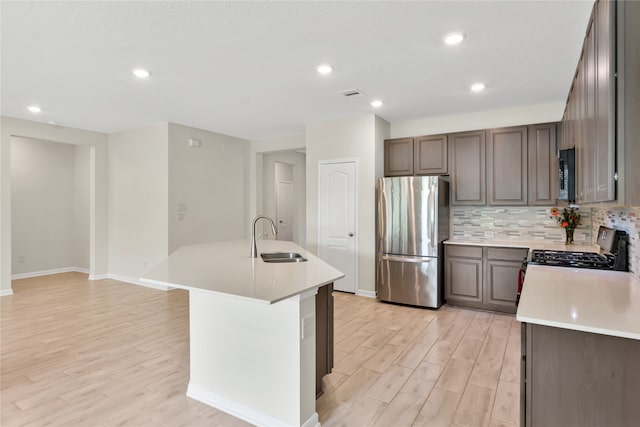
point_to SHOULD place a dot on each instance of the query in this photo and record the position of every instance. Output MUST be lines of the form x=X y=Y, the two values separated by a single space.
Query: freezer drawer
x=409 y=280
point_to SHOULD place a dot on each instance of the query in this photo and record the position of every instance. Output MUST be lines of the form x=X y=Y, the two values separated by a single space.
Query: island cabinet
x=575 y=378
x=324 y=334
x=422 y=155
x=483 y=277
x=543 y=165
x=507 y=166
x=467 y=168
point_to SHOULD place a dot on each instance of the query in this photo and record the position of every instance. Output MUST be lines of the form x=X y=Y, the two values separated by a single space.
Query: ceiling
x=248 y=69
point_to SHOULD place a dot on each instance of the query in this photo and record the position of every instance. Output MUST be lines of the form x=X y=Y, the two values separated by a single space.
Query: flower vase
x=569 y=236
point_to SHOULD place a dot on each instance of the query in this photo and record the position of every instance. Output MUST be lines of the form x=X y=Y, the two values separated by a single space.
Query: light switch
x=195 y=143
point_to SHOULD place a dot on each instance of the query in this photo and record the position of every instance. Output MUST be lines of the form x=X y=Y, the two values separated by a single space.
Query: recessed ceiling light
x=325 y=69
x=454 y=38
x=139 y=72
x=377 y=103
x=477 y=87
x=34 y=108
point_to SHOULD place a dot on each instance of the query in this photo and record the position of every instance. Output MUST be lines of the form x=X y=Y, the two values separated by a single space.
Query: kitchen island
x=580 y=348
x=252 y=328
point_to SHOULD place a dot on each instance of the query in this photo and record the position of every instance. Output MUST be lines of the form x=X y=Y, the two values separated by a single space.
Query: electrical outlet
x=308 y=326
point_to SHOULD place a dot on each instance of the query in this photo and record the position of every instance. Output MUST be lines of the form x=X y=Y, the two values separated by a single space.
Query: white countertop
x=227 y=268
x=527 y=244
x=603 y=302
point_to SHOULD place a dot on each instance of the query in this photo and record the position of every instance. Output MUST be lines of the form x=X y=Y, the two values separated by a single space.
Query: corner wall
x=98 y=188
x=138 y=219
x=207 y=187
x=49 y=206
x=360 y=138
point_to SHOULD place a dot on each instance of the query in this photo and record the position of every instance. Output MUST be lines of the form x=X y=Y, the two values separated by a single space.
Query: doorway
x=50 y=207
x=284 y=201
x=337 y=224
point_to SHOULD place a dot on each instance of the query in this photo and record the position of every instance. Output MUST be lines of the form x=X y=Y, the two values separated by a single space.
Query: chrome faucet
x=254 y=248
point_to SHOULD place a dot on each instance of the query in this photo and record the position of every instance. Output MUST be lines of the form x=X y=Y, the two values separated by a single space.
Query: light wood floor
x=105 y=353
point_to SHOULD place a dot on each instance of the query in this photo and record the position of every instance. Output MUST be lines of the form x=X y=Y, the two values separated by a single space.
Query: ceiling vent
x=351 y=92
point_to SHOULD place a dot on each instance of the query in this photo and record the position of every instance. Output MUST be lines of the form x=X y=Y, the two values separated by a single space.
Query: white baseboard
x=134 y=281
x=48 y=272
x=241 y=411
x=368 y=294
x=6 y=292
x=98 y=276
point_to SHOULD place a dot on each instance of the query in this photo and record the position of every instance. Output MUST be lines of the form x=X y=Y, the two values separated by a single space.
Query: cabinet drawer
x=464 y=251
x=507 y=254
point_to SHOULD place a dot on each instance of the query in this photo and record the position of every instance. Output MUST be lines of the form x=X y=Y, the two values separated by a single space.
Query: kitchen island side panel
x=577 y=378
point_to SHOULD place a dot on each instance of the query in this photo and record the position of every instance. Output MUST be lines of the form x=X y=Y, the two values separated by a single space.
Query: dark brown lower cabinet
x=574 y=378
x=324 y=334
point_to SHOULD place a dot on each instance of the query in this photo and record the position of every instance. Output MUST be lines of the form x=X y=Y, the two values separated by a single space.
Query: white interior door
x=337 y=220
x=284 y=210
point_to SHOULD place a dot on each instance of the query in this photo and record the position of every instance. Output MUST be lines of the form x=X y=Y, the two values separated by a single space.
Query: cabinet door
x=463 y=279
x=398 y=157
x=604 y=114
x=543 y=165
x=507 y=166
x=501 y=284
x=467 y=168
x=430 y=155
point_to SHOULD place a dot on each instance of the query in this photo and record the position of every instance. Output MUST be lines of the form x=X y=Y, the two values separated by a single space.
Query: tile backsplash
x=621 y=218
x=513 y=223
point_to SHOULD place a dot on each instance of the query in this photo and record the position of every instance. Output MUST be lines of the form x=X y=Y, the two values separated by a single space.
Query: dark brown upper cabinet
x=467 y=168
x=430 y=155
x=507 y=166
x=398 y=157
x=543 y=165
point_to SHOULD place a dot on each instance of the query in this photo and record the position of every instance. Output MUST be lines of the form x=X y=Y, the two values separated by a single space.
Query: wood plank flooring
x=105 y=353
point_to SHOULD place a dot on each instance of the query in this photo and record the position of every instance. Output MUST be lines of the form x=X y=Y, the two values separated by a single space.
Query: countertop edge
x=581 y=328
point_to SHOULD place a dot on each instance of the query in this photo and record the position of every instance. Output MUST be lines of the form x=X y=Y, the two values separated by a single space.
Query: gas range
x=612 y=256
x=572 y=259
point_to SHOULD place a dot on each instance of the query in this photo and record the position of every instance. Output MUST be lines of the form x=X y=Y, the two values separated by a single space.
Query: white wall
x=98 y=187
x=360 y=138
x=298 y=162
x=138 y=199
x=82 y=207
x=42 y=205
x=530 y=114
x=210 y=185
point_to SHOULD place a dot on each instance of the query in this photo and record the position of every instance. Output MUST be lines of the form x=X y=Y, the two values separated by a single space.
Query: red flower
x=564 y=224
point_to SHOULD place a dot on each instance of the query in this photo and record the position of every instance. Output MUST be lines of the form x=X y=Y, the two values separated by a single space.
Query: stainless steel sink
x=282 y=257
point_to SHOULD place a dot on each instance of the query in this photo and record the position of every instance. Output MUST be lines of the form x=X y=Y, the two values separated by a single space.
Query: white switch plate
x=196 y=143
x=308 y=326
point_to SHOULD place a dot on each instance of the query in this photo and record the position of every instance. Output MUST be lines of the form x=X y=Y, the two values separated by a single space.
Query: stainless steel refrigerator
x=412 y=222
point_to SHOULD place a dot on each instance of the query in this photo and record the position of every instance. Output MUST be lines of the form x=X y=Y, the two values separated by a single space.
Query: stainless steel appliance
x=612 y=256
x=412 y=222
x=567 y=172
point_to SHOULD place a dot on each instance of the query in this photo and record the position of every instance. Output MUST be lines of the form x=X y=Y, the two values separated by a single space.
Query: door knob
x=280 y=222
x=351 y=234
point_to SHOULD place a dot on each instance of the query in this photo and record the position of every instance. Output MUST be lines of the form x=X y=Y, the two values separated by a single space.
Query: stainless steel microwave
x=567 y=172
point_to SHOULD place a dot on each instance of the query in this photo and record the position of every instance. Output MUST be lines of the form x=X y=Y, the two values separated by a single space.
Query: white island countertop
x=602 y=302
x=226 y=268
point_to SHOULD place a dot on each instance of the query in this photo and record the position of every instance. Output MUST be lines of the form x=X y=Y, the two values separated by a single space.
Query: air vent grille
x=351 y=92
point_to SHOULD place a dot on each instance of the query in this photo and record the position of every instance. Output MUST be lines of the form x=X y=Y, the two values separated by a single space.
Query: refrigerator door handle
x=405 y=258
x=432 y=196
